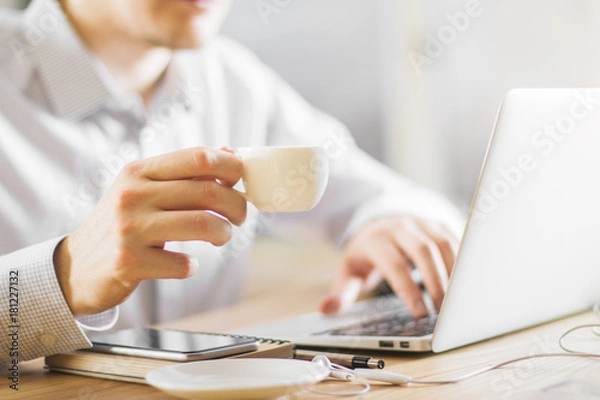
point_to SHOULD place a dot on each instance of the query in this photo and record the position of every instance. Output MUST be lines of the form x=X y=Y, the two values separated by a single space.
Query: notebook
x=529 y=253
x=134 y=369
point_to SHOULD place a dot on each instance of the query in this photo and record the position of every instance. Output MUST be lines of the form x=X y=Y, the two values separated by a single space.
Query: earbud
x=322 y=360
x=333 y=371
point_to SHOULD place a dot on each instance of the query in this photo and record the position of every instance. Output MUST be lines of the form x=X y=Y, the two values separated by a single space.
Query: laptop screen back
x=531 y=249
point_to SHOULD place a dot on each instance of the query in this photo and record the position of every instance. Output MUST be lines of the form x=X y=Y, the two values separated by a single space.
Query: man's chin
x=194 y=32
x=184 y=42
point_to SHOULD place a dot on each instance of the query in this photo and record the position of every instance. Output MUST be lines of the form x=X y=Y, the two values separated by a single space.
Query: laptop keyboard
x=392 y=325
x=386 y=315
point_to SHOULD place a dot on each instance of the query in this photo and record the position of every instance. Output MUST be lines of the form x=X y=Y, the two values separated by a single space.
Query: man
x=117 y=121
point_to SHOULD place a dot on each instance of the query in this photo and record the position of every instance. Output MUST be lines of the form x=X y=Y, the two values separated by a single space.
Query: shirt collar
x=70 y=73
x=77 y=83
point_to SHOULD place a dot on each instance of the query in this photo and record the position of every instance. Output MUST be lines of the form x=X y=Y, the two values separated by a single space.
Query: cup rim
x=304 y=146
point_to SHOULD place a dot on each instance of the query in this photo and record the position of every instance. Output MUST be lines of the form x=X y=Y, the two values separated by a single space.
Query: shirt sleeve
x=36 y=320
x=360 y=188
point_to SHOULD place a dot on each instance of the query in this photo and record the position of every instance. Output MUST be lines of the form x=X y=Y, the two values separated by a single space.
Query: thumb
x=343 y=295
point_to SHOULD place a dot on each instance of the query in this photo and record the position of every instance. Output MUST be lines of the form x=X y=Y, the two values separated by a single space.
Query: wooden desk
x=547 y=378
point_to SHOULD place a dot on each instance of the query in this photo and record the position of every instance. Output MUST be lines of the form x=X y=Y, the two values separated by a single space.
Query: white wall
x=512 y=43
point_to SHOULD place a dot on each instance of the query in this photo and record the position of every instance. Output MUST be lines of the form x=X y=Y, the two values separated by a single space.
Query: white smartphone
x=170 y=344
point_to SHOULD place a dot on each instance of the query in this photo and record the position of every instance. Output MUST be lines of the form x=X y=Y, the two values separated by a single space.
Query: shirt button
x=47 y=339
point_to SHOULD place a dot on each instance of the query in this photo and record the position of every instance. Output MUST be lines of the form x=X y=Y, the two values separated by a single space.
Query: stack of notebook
x=134 y=369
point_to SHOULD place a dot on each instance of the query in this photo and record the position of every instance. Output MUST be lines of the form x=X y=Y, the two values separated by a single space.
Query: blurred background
x=419 y=82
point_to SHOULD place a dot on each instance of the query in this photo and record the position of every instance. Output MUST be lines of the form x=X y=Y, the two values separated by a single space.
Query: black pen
x=346 y=360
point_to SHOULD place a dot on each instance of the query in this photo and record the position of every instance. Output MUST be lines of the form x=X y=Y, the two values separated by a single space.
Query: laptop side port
x=386 y=344
x=404 y=344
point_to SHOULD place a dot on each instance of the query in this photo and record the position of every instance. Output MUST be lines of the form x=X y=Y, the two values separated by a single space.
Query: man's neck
x=136 y=65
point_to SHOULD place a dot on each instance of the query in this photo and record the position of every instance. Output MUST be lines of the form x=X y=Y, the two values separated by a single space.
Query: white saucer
x=257 y=378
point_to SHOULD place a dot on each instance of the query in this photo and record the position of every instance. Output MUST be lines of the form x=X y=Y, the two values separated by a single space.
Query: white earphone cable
x=502 y=364
x=569 y=352
x=360 y=377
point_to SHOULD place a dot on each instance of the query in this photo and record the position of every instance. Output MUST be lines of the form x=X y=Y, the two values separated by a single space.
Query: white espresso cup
x=284 y=178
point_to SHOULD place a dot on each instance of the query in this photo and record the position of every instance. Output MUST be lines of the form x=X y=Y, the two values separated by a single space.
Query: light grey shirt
x=66 y=130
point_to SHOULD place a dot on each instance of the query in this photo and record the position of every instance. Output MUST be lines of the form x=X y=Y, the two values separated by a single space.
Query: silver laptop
x=531 y=249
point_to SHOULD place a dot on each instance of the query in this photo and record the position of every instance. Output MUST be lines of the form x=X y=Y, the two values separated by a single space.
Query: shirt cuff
x=44 y=322
x=99 y=322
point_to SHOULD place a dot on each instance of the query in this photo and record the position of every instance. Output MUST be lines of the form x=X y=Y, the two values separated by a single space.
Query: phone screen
x=170 y=341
